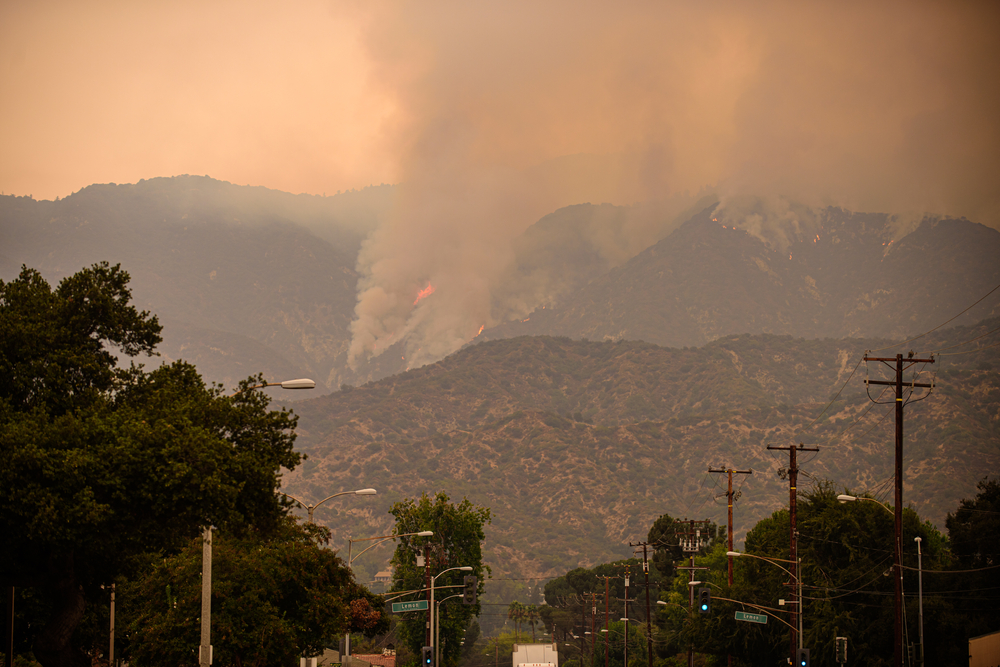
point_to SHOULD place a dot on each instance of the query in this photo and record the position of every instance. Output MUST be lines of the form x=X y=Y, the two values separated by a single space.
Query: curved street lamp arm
x=370 y=546
x=771 y=561
x=301 y=504
x=879 y=504
x=342 y=493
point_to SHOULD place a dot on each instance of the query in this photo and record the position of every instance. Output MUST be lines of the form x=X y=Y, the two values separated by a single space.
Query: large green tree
x=102 y=463
x=276 y=596
x=974 y=534
x=457 y=542
x=847 y=557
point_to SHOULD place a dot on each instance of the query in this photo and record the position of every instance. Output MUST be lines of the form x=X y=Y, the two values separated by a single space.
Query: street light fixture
x=381 y=539
x=312 y=508
x=844 y=498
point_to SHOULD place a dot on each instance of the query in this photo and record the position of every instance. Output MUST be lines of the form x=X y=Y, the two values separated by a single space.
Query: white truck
x=536 y=655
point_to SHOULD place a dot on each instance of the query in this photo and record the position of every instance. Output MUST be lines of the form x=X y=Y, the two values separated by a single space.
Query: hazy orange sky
x=885 y=106
x=494 y=114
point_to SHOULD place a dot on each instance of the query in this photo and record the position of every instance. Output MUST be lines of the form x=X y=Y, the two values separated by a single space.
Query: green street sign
x=752 y=618
x=416 y=605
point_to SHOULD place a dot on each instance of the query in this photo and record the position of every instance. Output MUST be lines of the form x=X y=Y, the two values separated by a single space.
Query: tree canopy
x=457 y=542
x=102 y=463
x=275 y=597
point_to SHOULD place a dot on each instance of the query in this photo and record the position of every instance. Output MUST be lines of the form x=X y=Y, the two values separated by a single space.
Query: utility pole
x=607 y=612
x=691 y=545
x=649 y=626
x=900 y=366
x=730 y=499
x=427 y=589
x=793 y=473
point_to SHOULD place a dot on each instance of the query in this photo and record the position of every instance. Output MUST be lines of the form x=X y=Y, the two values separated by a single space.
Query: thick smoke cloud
x=510 y=110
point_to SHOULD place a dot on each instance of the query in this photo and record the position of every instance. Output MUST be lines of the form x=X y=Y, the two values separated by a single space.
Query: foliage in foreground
x=274 y=598
x=101 y=465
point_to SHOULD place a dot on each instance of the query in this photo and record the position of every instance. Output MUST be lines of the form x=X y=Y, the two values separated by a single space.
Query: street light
x=381 y=539
x=844 y=498
x=920 y=580
x=205 y=649
x=461 y=568
x=312 y=508
x=437 y=629
x=897 y=555
x=796 y=611
x=351 y=559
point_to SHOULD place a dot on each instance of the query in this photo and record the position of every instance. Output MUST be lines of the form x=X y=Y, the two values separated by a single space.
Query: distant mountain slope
x=578 y=446
x=846 y=278
x=245 y=280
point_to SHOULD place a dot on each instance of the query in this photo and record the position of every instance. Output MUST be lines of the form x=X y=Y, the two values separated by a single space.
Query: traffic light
x=704 y=600
x=802 y=657
x=427 y=656
x=469 y=593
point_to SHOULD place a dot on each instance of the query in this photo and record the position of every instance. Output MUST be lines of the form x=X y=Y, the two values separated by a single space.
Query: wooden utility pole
x=793 y=473
x=691 y=545
x=649 y=623
x=729 y=543
x=900 y=366
x=607 y=612
x=729 y=498
x=427 y=588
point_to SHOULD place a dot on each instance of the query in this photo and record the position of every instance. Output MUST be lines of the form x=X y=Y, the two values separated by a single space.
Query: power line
x=971 y=340
x=940 y=325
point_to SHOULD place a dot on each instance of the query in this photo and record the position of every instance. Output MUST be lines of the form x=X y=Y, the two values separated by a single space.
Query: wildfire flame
x=424 y=293
x=480 y=330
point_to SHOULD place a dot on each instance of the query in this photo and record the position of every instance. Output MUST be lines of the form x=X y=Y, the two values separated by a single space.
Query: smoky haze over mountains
x=491 y=117
x=251 y=280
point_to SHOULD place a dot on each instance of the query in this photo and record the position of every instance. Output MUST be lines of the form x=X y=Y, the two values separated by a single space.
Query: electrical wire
x=971 y=340
x=859 y=417
x=910 y=340
x=978 y=349
x=837 y=395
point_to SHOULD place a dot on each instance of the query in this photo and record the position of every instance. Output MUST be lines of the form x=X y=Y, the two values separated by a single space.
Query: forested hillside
x=578 y=446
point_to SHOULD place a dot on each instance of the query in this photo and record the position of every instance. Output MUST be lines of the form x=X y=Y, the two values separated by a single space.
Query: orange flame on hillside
x=424 y=293
x=480 y=330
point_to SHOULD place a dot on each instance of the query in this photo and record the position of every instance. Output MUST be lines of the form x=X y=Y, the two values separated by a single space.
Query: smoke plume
x=515 y=109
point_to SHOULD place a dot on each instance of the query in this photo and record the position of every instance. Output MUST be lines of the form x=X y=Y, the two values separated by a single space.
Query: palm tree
x=532 y=616
x=515 y=612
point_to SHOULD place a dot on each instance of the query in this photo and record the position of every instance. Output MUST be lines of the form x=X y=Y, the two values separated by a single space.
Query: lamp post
x=920 y=580
x=312 y=508
x=437 y=630
x=626 y=619
x=796 y=589
x=897 y=556
x=205 y=648
x=461 y=568
x=350 y=559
